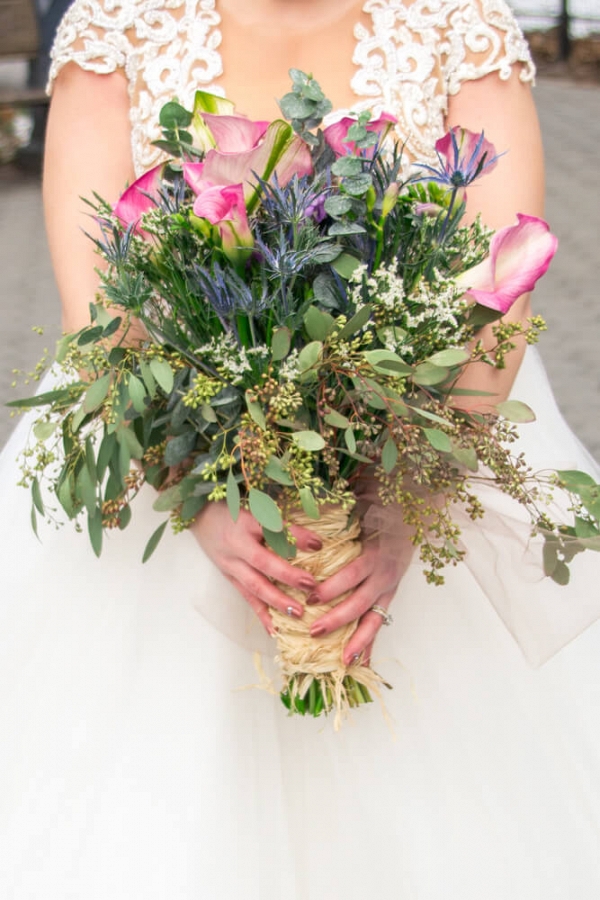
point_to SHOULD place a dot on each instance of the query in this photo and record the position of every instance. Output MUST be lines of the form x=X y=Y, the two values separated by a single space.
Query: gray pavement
x=567 y=296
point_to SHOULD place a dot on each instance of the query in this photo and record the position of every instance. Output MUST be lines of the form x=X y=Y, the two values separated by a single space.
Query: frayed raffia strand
x=303 y=658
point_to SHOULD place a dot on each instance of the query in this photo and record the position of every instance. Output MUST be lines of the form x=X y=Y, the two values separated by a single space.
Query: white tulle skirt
x=137 y=763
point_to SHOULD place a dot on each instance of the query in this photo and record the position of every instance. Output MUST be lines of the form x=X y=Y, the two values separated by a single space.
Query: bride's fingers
x=361 y=643
x=268 y=565
x=257 y=585
x=345 y=580
x=261 y=609
x=306 y=540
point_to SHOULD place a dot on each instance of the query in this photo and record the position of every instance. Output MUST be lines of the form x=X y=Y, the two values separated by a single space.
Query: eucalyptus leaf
x=311 y=441
x=439 y=440
x=452 y=357
x=345 y=265
x=276 y=472
x=318 y=324
x=358 y=321
x=149 y=380
x=347 y=166
x=96 y=393
x=309 y=504
x=256 y=411
x=95 y=530
x=179 y=448
x=350 y=440
x=137 y=392
x=389 y=455
x=126 y=435
x=154 y=541
x=336 y=419
x=233 y=496
x=515 y=411
x=309 y=356
x=265 y=510
x=561 y=573
x=36 y=496
x=387 y=362
x=168 y=499
x=280 y=343
x=429 y=374
x=466 y=456
x=86 y=488
x=279 y=543
x=173 y=116
x=43 y=430
x=208 y=414
x=192 y=506
x=163 y=373
x=358 y=185
x=338 y=205
x=339 y=229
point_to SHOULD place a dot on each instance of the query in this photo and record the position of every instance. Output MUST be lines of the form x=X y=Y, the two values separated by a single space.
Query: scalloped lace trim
x=409 y=60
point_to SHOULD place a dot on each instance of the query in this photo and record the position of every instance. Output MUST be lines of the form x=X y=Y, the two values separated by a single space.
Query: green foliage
x=331 y=352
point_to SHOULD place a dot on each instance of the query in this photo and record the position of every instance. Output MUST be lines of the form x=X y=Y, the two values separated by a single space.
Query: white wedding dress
x=136 y=760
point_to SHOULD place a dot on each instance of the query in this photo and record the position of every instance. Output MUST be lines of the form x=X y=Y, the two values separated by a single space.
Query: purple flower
x=463 y=156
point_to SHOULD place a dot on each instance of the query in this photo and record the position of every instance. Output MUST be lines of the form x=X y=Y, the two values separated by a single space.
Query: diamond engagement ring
x=290 y=610
x=385 y=615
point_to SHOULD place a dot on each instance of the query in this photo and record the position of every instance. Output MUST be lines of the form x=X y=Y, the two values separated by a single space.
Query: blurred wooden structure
x=19 y=39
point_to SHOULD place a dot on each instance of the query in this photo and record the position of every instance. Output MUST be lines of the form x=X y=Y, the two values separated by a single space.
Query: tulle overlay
x=137 y=763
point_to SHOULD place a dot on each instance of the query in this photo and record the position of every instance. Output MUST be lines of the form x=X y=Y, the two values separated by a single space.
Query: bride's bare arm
x=87 y=149
x=505 y=111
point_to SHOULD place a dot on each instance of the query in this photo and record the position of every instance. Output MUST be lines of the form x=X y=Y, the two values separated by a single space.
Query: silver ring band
x=385 y=615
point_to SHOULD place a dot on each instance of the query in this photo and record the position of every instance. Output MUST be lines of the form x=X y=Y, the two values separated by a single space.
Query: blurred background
x=565 y=40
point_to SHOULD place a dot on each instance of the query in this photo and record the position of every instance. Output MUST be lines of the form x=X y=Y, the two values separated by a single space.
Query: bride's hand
x=237 y=549
x=372 y=578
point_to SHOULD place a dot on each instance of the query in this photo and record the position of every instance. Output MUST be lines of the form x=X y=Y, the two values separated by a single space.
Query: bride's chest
x=375 y=56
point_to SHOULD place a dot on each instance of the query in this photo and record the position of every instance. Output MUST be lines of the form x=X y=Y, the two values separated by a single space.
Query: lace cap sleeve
x=95 y=35
x=483 y=37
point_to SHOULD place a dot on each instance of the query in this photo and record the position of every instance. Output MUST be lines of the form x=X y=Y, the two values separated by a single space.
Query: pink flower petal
x=335 y=134
x=280 y=153
x=234 y=134
x=139 y=197
x=519 y=255
x=193 y=174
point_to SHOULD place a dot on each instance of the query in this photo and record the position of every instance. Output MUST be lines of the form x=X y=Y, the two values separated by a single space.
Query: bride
x=134 y=764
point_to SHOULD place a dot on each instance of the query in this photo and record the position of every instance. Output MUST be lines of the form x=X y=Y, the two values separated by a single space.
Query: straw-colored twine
x=300 y=655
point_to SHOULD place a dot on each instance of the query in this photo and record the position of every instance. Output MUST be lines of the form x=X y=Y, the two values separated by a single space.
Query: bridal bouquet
x=307 y=314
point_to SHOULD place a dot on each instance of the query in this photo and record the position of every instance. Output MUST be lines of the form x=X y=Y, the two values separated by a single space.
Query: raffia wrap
x=307 y=657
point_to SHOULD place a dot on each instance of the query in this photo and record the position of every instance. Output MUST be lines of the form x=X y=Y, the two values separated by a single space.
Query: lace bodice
x=409 y=59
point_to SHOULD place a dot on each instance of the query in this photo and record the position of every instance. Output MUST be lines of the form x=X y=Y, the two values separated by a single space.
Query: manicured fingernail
x=318 y=629
x=355 y=659
x=307 y=584
x=295 y=611
x=313 y=599
x=314 y=544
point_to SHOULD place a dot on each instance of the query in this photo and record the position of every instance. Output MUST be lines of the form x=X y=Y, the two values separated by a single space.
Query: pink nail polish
x=314 y=544
x=306 y=584
x=318 y=629
x=313 y=599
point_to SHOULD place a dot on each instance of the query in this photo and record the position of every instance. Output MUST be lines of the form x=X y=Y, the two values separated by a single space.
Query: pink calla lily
x=234 y=134
x=194 y=176
x=335 y=134
x=224 y=207
x=280 y=153
x=519 y=255
x=139 y=197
